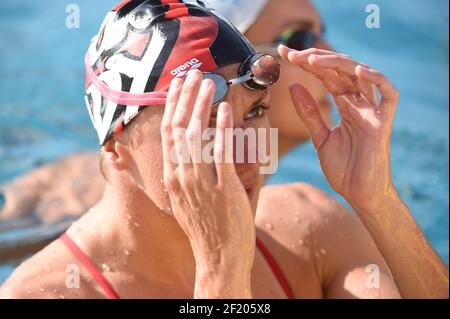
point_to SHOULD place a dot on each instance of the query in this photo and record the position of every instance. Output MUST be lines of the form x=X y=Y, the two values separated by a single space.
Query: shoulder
x=292 y=221
x=303 y=221
x=309 y=224
x=299 y=203
x=51 y=273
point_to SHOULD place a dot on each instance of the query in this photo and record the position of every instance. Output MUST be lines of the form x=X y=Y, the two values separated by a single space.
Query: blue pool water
x=42 y=114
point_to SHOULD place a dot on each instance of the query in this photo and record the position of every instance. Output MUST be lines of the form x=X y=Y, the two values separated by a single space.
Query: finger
x=342 y=107
x=356 y=110
x=167 y=141
x=301 y=57
x=347 y=70
x=335 y=62
x=182 y=116
x=332 y=81
x=368 y=90
x=223 y=146
x=197 y=126
x=187 y=99
x=309 y=112
x=389 y=94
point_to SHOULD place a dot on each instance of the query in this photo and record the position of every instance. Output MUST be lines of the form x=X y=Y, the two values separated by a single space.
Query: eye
x=300 y=39
x=257 y=111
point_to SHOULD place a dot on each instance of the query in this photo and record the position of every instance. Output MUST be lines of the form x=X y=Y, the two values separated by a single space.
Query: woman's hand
x=356 y=161
x=355 y=155
x=208 y=199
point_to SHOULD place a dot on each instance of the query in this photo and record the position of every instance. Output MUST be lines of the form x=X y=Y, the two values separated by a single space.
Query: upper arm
x=350 y=264
x=340 y=254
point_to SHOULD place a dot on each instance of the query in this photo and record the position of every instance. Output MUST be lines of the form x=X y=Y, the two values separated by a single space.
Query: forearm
x=417 y=269
x=223 y=267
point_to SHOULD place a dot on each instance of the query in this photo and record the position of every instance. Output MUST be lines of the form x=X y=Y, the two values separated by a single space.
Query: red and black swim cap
x=143 y=44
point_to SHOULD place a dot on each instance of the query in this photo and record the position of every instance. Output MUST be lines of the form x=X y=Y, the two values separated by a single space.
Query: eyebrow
x=259 y=100
x=304 y=22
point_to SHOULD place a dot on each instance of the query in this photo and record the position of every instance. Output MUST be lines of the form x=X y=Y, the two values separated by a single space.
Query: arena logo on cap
x=185 y=68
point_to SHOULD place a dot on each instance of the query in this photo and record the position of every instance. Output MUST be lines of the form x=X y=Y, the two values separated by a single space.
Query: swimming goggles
x=298 y=39
x=257 y=72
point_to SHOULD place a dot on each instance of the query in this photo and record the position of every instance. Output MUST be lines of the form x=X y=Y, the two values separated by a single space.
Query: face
x=146 y=168
x=276 y=18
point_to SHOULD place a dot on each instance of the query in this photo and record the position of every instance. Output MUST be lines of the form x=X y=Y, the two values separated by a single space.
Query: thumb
x=309 y=112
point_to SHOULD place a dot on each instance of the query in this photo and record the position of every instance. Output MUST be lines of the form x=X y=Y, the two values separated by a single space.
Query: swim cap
x=241 y=13
x=142 y=45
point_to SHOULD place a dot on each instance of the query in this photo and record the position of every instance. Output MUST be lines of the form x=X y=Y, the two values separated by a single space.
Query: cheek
x=282 y=113
x=148 y=172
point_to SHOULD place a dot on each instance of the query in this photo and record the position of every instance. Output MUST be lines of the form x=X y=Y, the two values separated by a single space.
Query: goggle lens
x=265 y=71
x=256 y=73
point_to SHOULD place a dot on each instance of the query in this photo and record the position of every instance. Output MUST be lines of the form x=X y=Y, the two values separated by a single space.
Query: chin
x=254 y=192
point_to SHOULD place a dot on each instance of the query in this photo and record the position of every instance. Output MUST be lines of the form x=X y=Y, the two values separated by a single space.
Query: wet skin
x=321 y=247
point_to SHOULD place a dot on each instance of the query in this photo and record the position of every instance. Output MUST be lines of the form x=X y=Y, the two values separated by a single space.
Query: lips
x=250 y=192
x=249 y=184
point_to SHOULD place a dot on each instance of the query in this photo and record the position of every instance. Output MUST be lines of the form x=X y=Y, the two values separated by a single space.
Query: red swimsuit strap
x=110 y=292
x=91 y=268
x=275 y=268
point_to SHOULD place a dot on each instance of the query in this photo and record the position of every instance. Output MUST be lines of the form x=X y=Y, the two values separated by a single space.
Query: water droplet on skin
x=128 y=217
x=300 y=242
x=126 y=252
x=323 y=251
x=136 y=225
x=269 y=226
x=61 y=297
x=105 y=267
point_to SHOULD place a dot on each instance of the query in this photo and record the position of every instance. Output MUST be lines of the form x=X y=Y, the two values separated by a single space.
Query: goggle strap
x=242 y=79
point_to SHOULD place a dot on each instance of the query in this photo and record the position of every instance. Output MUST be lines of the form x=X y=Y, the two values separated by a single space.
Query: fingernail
x=285 y=47
x=363 y=69
x=314 y=58
x=191 y=75
x=176 y=82
x=225 y=108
